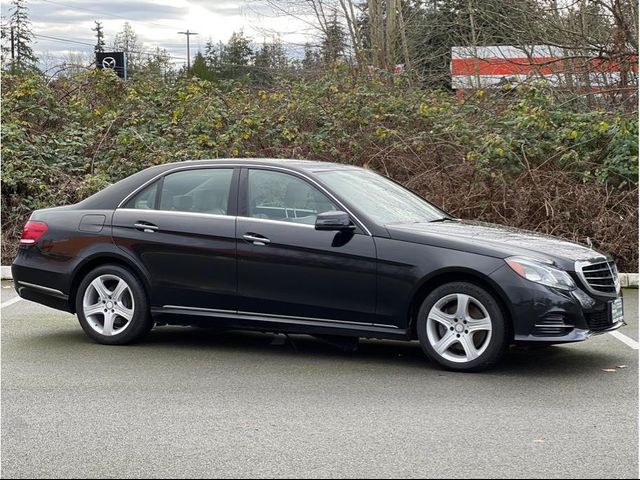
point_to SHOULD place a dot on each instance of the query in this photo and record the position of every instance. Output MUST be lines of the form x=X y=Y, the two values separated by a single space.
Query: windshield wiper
x=443 y=219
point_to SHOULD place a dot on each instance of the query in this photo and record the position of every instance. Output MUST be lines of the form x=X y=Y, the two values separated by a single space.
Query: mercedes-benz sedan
x=309 y=247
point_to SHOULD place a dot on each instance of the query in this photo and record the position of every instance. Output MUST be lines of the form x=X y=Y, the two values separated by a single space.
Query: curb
x=627 y=280
x=5 y=273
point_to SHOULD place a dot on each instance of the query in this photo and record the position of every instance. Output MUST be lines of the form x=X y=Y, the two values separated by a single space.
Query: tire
x=128 y=318
x=459 y=338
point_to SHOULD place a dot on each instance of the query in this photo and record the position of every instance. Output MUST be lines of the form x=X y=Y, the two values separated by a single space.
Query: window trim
x=159 y=193
x=178 y=212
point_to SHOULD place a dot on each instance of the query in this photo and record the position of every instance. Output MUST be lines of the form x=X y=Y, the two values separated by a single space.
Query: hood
x=493 y=240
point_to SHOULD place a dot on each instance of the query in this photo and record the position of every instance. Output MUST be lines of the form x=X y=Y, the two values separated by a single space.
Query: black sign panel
x=114 y=60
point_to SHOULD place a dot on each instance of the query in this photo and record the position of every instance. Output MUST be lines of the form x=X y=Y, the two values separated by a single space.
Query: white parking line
x=10 y=302
x=626 y=340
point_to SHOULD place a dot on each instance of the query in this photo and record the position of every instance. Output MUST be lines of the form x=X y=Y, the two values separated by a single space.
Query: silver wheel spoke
x=124 y=312
x=108 y=323
x=120 y=289
x=445 y=342
x=100 y=288
x=479 y=325
x=470 y=349
x=441 y=317
x=462 y=311
x=94 y=309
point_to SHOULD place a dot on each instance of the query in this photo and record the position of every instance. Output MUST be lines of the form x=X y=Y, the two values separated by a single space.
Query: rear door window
x=200 y=191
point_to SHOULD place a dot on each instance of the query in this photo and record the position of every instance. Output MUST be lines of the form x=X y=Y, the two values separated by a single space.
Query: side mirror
x=334 y=221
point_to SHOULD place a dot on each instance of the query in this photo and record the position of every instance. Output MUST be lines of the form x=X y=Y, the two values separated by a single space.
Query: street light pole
x=188 y=34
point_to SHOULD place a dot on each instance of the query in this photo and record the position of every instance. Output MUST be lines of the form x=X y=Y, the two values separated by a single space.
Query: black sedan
x=308 y=247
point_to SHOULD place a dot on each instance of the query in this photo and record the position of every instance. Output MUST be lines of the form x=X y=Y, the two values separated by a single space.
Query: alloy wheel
x=459 y=328
x=108 y=305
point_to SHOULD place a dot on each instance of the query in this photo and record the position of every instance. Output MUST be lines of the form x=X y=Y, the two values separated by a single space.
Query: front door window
x=284 y=197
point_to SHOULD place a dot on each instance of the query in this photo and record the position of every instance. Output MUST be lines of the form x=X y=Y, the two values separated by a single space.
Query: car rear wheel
x=112 y=306
x=461 y=326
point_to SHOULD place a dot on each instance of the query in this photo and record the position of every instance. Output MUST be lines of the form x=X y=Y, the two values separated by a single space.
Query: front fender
x=407 y=271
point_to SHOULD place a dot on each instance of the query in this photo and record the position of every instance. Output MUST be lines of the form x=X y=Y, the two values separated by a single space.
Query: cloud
x=54 y=11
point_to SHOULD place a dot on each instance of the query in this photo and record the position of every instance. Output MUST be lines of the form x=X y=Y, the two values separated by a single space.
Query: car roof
x=293 y=164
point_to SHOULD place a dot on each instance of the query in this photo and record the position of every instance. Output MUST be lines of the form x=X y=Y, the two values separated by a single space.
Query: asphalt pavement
x=191 y=403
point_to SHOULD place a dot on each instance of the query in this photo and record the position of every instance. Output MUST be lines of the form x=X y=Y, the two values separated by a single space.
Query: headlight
x=540 y=272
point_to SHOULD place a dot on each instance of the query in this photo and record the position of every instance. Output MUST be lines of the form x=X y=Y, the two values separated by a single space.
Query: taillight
x=33 y=231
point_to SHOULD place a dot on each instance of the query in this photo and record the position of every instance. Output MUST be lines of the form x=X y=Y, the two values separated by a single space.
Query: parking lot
x=198 y=403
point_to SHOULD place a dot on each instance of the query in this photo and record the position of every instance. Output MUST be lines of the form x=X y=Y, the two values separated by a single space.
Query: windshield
x=379 y=198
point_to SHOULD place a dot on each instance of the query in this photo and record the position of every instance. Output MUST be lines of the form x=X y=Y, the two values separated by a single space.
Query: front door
x=287 y=268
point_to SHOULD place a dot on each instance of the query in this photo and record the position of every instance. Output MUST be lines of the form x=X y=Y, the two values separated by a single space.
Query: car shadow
x=200 y=343
x=554 y=361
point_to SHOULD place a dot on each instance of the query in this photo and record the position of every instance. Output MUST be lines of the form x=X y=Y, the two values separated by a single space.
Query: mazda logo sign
x=109 y=62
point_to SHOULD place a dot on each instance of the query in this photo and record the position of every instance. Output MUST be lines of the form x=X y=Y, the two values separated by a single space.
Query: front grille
x=600 y=277
x=598 y=321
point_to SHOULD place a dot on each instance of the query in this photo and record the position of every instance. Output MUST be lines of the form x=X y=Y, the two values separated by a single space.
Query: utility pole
x=12 y=45
x=188 y=34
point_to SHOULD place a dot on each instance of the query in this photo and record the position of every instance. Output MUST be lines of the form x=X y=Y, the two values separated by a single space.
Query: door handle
x=256 y=239
x=146 y=227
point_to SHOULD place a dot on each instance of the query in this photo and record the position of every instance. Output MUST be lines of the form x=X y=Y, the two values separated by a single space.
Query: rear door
x=182 y=229
x=287 y=268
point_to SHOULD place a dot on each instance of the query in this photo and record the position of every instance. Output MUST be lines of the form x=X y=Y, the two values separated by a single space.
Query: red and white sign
x=482 y=67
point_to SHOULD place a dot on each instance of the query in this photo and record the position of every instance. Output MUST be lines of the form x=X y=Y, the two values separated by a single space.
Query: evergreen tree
x=269 y=62
x=236 y=55
x=158 y=64
x=311 y=58
x=5 y=48
x=19 y=27
x=334 y=43
x=200 y=68
x=99 y=47
x=212 y=54
x=127 y=41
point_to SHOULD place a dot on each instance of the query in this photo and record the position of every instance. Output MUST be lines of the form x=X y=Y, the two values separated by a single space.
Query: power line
x=49 y=37
x=77 y=42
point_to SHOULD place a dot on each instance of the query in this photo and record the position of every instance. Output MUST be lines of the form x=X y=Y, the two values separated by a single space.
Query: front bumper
x=542 y=314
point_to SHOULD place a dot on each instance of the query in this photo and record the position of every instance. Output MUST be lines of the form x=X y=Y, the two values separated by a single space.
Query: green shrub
x=63 y=140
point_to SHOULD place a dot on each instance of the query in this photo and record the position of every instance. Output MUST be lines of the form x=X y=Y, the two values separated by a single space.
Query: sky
x=156 y=22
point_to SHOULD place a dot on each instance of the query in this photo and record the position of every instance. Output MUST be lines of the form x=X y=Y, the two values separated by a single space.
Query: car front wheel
x=112 y=306
x=461 y=326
